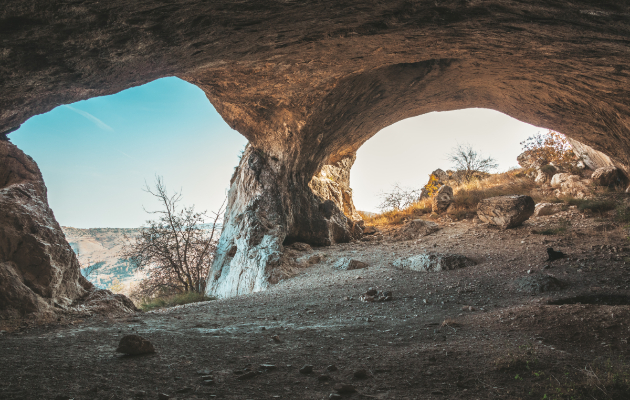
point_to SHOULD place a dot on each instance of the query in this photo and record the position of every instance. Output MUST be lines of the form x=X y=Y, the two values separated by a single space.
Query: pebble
x=276 y=339
x=208 y=382
x=307 y=369
x=323 y=378
x=204 y=372
x=267 y=367
x=331 y=368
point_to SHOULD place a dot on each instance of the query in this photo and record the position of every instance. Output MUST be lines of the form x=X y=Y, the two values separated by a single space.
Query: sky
x=96 y=155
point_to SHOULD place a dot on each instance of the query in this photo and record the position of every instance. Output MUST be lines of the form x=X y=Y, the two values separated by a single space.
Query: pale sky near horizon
x=96 y=155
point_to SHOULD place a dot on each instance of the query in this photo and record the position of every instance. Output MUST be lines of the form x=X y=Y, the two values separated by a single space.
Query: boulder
x=573 y=186
x=543 y=209
x=506 y=211
x=416 y=228
x=442 y=199
x=347 y=264
x=557 y=179
x=433 y=262
x=605 y=176
x=538 y=283
x=134 y=345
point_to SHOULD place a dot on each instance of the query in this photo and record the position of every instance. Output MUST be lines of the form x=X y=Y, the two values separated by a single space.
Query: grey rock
x=135 y=345
x=347 y=264
x=538 y=283
x=433 y=262
x=307 y=369
x=506 y=211
x=331 y=368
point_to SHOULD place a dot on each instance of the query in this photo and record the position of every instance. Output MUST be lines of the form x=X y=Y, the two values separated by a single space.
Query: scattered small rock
x=267 y=367
x=204 y=372
x=323 y=378
x=347 y=264
x=538 y=283
x=135 y=345
x=163 y=396
x=331 y=368
x=208 y=382
x=307 y=369
x=334 y=396
x=373 y=295
x=276 y=339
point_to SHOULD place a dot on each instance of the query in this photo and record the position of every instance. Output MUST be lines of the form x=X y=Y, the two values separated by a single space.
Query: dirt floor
x=468 y=333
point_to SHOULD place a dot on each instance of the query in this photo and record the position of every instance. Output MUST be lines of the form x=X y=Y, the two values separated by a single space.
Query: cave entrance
x=96 y=155
x=405 y=153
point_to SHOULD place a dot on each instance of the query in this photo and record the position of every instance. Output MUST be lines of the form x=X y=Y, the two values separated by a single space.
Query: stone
x=267 y=367
x=306 y=369
x=370 y=230
x=323 y=378
x=558 y=179
x=538 y=283
x=506 y=211
x=573 y=186
x=301 y=246
x=606 y=176
x=331 y=368
x=543 y=209
x=347 y=264
x=442 y=199
x=310 y=259
x=433 y=262
x=163 y=396
x=416 y=228
x=135 y=345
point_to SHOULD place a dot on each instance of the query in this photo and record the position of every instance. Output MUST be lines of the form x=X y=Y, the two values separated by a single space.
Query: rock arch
x=308 y=82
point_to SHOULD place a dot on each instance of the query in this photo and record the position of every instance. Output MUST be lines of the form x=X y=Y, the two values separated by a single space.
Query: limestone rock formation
x=606 y=176
x=38 y=269
x=307 y=83
x=506 y=211
x=433 y=262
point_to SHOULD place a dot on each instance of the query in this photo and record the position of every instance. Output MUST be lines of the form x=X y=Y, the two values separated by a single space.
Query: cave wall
x=307 y=83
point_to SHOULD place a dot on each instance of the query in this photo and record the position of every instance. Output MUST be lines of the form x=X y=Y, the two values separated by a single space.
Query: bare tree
x=176 y=250
x=399 y=198
x=467 y=161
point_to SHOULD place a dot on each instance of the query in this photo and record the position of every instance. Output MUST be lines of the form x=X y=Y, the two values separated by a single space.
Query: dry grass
x=467 y=196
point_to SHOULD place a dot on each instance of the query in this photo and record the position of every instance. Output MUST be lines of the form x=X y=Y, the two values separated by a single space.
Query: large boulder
x=39 y=272
x=558 y=179
x=433 y=262
x=506 y=211
x=442 y=199
x=606 y=176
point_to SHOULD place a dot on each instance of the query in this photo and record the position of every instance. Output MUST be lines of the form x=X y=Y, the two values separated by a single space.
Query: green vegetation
x=149 y=304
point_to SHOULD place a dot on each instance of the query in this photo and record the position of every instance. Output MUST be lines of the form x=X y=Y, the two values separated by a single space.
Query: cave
x=307 y=84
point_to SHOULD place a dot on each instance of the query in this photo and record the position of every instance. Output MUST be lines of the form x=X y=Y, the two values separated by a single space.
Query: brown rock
x=347 y=264
x=442 y=199
x=606 y=176
x=506 y=211
x=135 y=345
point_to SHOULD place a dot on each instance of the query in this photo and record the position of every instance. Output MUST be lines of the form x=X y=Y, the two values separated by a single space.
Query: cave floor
x=461 y=334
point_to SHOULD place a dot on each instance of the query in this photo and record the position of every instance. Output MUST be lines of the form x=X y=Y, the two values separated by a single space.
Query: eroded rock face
x=307 y=83
x=38 y=269
x=506 y=211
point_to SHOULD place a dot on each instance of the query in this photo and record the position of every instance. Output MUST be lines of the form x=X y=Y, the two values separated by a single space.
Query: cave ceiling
x=312 y=80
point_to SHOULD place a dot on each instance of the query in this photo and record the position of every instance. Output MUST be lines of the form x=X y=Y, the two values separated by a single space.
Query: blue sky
x=96 y=155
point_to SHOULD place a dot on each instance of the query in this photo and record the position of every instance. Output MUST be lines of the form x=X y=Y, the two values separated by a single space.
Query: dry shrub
x=467 y=196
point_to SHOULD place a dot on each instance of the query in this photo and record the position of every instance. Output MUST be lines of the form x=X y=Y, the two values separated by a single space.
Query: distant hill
x=102 y=245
